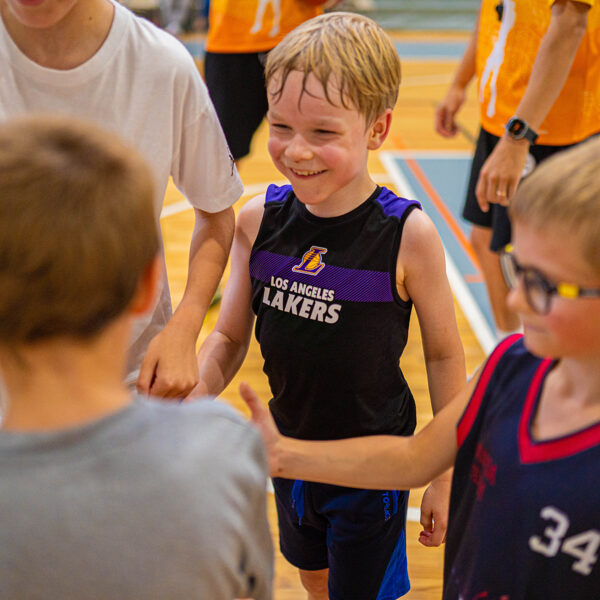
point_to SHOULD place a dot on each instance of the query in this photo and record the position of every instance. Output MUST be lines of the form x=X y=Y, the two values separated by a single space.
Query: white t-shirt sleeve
x=203 y=168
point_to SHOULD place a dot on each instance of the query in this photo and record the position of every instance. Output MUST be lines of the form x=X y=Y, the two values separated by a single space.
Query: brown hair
x=564 y=192
x=350 y=47
x=77 y=228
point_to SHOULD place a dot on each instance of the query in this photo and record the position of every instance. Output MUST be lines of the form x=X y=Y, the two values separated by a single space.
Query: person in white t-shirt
x=94 y=59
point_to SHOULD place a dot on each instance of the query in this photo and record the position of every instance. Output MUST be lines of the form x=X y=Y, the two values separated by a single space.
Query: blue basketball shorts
x=359 y=535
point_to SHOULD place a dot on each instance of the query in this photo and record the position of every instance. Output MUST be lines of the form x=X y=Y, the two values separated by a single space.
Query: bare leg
x=315 y=583
x=494 y=279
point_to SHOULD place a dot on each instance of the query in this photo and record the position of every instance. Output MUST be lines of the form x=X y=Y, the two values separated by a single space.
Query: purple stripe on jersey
x=394 y=206
x=347 y=284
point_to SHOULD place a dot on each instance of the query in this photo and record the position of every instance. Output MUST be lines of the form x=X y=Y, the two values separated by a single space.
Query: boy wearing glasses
x=524 y=435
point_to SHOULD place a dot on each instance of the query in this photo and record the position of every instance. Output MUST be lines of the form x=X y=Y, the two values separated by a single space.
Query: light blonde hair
x=77 y=228
x=564 y=193
x=349 y=47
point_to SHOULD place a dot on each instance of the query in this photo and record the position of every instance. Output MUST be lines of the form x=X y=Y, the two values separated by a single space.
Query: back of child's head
x=349 y=50
x=562 y=196
x=77 y=229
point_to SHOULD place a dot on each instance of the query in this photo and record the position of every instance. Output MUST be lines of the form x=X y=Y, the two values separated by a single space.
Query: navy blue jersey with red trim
x=524 y=514
x=330 y=322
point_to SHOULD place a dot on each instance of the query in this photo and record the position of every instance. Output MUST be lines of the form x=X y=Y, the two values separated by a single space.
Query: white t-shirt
x=142 y=84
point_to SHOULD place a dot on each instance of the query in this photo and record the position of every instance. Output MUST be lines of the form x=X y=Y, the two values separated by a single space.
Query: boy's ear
x=147 y=288
x=379 y=129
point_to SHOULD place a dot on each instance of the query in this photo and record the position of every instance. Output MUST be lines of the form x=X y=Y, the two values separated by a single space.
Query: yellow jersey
x=244 y=26
x=506 y=51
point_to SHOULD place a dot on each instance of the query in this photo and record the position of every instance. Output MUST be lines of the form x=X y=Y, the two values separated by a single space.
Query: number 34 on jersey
x=582 y=546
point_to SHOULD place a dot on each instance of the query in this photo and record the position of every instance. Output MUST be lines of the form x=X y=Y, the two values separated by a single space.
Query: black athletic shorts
x=236 y=83
x=497 y=217
x=359 y=535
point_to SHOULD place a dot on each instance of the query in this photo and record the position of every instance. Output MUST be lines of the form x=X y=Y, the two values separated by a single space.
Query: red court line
x=437 y=202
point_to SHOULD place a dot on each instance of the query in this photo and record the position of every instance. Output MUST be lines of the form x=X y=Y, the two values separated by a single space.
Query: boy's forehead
x=551 y=248
x=309 y=82
x=298 y=86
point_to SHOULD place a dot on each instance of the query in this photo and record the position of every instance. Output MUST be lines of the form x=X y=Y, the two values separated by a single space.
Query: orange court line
x=437 y=201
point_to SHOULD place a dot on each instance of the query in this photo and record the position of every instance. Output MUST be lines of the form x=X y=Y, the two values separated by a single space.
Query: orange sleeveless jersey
x=244 y=26
x=505 y=55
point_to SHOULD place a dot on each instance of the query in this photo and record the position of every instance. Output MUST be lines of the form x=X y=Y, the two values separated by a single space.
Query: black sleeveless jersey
x=330 y=323
x=524 y=514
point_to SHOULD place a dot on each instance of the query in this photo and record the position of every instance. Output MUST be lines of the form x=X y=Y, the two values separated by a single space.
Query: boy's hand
x=262 y=419
x=434 y=512
x=169 y=369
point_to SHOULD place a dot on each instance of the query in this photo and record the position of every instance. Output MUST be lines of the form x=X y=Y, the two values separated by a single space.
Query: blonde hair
x=564 y=192
x=350 y=47
x=77 y=228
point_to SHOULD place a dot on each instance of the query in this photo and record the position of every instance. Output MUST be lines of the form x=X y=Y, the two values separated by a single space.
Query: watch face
x=517 y=127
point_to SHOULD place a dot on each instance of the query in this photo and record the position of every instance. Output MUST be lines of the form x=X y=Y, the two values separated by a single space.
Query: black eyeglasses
x=538 y=290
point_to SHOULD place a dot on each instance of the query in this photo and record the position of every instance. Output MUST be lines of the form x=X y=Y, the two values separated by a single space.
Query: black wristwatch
x=519 y=129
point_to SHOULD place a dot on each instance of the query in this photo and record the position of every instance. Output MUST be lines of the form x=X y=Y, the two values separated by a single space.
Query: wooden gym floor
x=424 y=83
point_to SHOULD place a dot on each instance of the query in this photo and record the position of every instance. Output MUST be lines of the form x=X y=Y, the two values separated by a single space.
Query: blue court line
x=438 y=51
x=417 y=50
x=448 y=174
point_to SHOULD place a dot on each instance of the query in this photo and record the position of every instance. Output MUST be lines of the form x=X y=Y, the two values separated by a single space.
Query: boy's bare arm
x=372 y=462
x=224 y=350
x=169 y=368
x=422 y=276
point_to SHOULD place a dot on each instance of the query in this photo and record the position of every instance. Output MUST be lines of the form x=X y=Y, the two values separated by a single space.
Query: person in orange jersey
x=538 y=84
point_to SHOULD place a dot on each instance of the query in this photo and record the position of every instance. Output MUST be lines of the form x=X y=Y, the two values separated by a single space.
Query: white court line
x=463 y=296
x=183 y=205
x=413 y=514
x=249 y=190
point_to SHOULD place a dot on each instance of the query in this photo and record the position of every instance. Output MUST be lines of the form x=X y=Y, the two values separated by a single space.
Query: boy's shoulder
x=278 y=193
x=210 y=433
x=393 y=205
x=151 y=44
x=203 y=410
x=510 y=363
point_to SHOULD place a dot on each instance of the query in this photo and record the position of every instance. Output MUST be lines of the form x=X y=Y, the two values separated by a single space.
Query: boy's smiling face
x=320 y=147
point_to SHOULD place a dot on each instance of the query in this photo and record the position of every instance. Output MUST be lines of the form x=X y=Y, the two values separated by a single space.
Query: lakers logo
x=312 y=263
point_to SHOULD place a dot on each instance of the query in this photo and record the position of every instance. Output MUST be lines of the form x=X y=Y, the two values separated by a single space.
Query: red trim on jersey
x=468 y=417
x=531 y=451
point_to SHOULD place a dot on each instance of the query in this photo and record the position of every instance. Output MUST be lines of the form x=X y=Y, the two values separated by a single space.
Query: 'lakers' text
x=301 y=299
